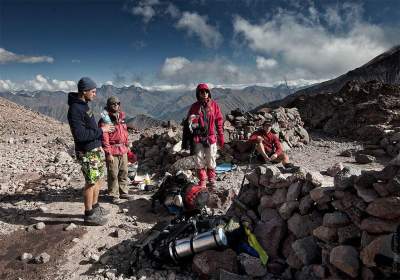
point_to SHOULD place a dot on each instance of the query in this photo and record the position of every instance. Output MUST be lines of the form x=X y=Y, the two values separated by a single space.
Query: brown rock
x=380 y=245
x=270 y=234
x=325 y=234
x=336 y=219
x=209 y=262
x=346 y=259
x=386 y=208
x=322 y=194
x=348 y=233
x=376 y=225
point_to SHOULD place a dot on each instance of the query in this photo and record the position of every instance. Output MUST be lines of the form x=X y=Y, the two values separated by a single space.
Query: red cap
x=202 y=86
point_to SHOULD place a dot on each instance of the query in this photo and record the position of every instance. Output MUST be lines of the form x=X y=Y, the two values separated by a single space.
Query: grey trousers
x=117 y=176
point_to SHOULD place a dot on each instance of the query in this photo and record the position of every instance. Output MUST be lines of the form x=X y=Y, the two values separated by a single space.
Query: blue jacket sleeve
x=80 y=131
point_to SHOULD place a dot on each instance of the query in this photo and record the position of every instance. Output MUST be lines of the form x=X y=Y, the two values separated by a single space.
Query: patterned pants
x=92 y=163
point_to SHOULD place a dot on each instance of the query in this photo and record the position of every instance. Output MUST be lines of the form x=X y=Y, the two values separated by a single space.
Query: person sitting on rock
x=115 y=145
x=268 y=146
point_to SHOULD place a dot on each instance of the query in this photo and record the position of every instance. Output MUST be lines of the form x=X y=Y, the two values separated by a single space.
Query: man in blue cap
x=87 y=137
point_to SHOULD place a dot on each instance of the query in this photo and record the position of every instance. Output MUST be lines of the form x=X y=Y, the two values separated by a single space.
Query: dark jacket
x=87 y=135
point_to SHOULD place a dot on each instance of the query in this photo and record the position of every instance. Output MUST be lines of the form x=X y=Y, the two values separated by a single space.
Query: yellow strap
x=253 y=242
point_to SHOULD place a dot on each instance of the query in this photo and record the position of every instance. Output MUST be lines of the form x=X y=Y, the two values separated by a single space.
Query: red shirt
x=215 y=119
x=116 y=142
x=270 y=141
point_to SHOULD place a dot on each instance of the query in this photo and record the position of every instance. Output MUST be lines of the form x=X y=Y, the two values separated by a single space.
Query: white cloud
x=307 y=48
x=145 y=9
x=263 y=63
x=10 y=57
x=197 y=25
x=40 y=82
x=7 y=85
x=173 y=11
x=173 y=65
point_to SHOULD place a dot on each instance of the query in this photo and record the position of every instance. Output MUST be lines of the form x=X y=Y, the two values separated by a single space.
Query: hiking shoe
x=94 y=220
x=211 y=186
x=101 y=211
x=116 y=200
x=291 y=168
x=126 y=196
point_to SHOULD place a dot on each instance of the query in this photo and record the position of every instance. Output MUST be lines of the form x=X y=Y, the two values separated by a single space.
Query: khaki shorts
x=92 y=163
x=205 y=157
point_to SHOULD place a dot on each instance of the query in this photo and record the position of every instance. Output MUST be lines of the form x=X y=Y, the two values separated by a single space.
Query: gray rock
x=294 y=191
x=302 y=226
x=345 y=178
x=307 y=250
x=315 y=178
x=40 y=226
x=286 y=210
x=364 y=159
x=42 y=258
x=252 y=265
x=26 y=257
x=71 y=226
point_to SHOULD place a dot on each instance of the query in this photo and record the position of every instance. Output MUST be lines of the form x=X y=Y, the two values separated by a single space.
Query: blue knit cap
x=85 y=84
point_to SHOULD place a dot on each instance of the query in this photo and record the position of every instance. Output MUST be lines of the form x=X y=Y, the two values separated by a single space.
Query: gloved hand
x=220 y=141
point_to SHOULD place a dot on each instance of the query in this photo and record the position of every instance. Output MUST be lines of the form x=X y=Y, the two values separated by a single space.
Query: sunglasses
x=118 y=103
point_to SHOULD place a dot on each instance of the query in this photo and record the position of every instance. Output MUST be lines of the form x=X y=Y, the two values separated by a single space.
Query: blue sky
x=50 y=44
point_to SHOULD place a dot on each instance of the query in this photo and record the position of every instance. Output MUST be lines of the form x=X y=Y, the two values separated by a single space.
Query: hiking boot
x=115 y=200
x=126 y=196
x=291 y=168
x=211 y=186
x=101 y=211
x=94 y=220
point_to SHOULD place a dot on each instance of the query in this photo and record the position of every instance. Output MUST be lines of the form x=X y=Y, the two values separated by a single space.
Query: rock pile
x=368 y=111
x=158 y=149
x=311 y=229
x=288 y=125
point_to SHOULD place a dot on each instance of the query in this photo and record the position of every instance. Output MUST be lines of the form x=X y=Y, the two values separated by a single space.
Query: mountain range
x=136 y=101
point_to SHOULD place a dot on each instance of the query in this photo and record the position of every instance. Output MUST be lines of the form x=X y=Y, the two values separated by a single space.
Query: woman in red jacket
x=206 y=124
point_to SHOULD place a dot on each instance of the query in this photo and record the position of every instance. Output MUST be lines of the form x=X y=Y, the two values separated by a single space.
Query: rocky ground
x=41 y=183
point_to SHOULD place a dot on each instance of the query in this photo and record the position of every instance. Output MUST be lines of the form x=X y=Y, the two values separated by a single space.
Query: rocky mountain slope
x=40 y=182
x=384 y=68
x=155 y=104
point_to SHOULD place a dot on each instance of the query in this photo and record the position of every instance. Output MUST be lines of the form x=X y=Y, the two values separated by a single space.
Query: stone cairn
x=158 y=150
x=312 y=230
x=288 y=125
